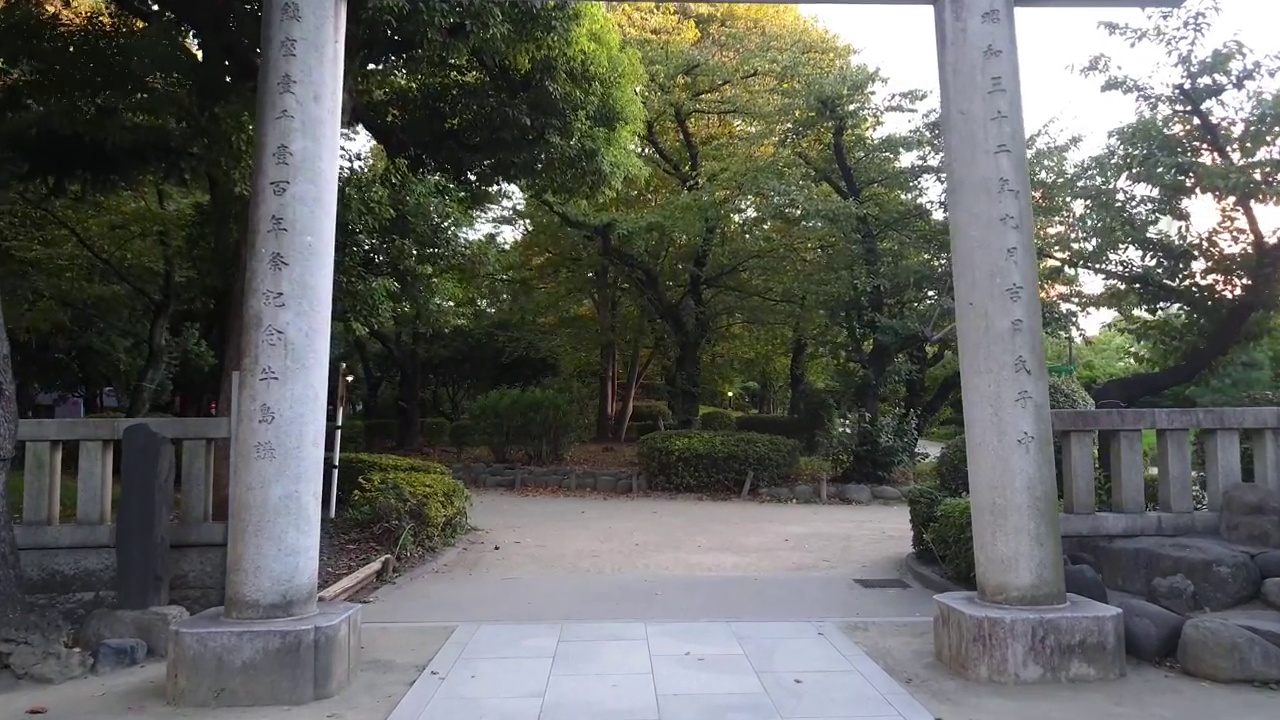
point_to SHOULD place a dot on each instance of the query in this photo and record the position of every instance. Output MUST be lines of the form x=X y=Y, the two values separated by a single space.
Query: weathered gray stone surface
x=855 y=493
x=884 y=492
x=1268 y=563
x=219 y=663
x=142 y=526
x=1263 y=623
x=1271 y=592
x=118 y=653
x=778 y=493
x=1085 y=582
x=152 y=626
x=1150 y=631
x=1250 y=516
x=803 y=493
x=1223 y=576
x=33 y=647
x=1219 y=650
x=1175 y=593
x=990 y=643
x=1077 y=558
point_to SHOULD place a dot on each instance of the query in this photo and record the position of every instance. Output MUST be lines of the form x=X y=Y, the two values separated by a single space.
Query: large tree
x=1170 y=213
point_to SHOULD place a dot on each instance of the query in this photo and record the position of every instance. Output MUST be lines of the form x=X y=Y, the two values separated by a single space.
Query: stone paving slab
x=655 y=671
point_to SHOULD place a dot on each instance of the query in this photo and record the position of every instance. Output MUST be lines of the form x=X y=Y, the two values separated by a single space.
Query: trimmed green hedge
x=352 y=468
x=410 y=511
x=539 y=424
x=435 y=432
x=650 y=411
x=952 y=468
x=922 y=504
x=717 y=421
x=462 y=436
x=789 y=426
x=714 y=462
x=951 y=537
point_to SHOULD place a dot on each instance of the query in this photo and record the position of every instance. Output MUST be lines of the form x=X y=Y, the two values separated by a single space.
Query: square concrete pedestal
x=216 y=662
x=1078 y=642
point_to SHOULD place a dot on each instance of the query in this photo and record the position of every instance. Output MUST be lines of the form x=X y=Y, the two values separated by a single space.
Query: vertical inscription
x=279 y=211
x=1007 y=196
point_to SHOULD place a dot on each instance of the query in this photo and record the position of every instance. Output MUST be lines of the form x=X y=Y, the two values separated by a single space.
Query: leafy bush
x=352 y=439
x=650 y=411
x=717 y=421
x=812 y=469
x=952 y=469
x=462 y=436
x=435 y=432
x=951 y=537
x=410 y=511
x=379 y=434
x=782 y=425
x=352 y=468
x=922 y=504
x=870 y=452
x=540 y=424
x=1066 y=393
x=637 y=430
x=700 y=461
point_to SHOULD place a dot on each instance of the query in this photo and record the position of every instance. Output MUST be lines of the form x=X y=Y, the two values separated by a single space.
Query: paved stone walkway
x=655 y=671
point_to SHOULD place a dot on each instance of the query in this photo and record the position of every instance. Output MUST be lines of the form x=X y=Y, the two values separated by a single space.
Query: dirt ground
x=392 y=659
x=905 y=651
x=620 y=534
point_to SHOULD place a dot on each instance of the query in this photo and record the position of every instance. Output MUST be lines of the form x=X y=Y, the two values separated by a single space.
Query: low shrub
x=462 y=436
x=952 y=468
x=379 y=434
x=353 y=467
x=717 y=421
x=714 y=462
x=540 y=425
x=782 y=425
x=637 y=430
x=650 y=411
x=410 y=511
x=951 y=537
x=812 y=469
x=871 y=451
x=435 y=432
x=922 y=505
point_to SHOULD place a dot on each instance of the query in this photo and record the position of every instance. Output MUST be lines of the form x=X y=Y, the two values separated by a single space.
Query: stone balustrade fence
x=1120 y=434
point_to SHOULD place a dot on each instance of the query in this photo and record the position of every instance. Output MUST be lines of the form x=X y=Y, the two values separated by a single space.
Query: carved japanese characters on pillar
x=1007 y=201
x=272 y=334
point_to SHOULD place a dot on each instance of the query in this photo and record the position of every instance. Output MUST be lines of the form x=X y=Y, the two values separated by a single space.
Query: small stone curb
x=927 y=577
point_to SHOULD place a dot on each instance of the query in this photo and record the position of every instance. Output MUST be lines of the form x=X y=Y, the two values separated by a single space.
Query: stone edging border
x=927 y=577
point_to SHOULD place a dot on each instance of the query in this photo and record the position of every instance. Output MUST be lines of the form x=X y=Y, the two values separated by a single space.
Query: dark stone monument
x=142 y=526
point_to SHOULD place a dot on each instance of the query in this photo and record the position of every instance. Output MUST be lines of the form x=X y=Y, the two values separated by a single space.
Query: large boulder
x=151 y=626
x=855 y=493
x=1223 y=576
x=1271 y=592
x=1250 y=515
x=1221 y=651
x=1263 y=623
x=1150 y=632
x=1268 y=564
x=1084 y=581
x=1174 y=593
x=885 y=492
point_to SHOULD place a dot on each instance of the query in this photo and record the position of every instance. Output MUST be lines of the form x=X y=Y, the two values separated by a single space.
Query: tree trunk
x=635 y=373
x=143 y=393
x=687 y=382
x=409 y=403
x=11 y=596
x=797 y=373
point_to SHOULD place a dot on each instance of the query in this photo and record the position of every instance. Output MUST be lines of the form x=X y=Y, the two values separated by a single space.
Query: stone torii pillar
x=1020 y=626
x=272 y=643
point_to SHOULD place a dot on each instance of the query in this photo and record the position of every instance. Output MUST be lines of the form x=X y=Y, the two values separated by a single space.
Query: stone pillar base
x=1081 y=641
x=216 y=662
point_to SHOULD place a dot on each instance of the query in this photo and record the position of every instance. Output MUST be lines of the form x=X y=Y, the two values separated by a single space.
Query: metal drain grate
x=883 y=583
